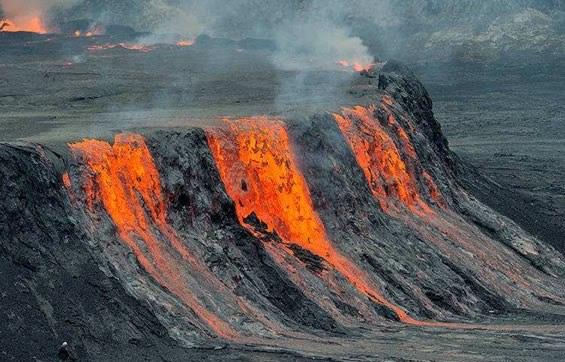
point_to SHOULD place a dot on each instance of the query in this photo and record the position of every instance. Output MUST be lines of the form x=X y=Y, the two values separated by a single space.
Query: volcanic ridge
x=334 y=235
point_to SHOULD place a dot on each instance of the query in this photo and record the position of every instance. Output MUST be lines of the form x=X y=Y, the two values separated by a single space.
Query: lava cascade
x=256 y=163
x=124 y=178
x=382 y=162
x=385 y=164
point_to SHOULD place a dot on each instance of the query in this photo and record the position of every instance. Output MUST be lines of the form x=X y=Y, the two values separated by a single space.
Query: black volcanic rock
x=399 y=81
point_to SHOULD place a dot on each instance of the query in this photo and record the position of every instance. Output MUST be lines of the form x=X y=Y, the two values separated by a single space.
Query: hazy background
x=412 y=30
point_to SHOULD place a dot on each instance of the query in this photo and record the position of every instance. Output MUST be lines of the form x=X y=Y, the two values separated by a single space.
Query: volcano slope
x=346 y=235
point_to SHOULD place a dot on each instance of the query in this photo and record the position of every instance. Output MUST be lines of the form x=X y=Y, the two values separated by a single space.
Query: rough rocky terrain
x=507 y=121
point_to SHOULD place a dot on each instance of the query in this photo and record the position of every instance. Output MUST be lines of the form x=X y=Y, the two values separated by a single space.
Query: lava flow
x=256 y=163
x=185 y=43
x=125 y=180
x=387 y=174
x=32 y=24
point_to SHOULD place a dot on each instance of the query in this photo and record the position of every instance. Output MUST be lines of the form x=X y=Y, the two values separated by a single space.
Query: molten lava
x=257 y=166
x=355 y=66
x=387 y=173
x=66 y=181
x=123 y=178
x=185 y=43
x=32 y=24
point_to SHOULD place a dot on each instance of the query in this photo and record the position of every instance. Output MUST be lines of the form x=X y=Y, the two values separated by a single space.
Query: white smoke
x=318 y=44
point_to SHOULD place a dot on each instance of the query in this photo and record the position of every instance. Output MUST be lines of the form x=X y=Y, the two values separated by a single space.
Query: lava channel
x=381 y=161
x=257 y=166
x=124 y=178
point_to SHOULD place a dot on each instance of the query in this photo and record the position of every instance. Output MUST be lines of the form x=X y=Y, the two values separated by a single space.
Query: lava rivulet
x=125 y=180
x=380 y=159
x=258 y=168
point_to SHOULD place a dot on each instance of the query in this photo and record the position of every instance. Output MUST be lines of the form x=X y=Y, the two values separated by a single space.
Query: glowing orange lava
x=123 y=178
x=185 y=43
x=32 y=24
x=380 y=159
x=355 y=66
x=66 y=180
x=256 y=163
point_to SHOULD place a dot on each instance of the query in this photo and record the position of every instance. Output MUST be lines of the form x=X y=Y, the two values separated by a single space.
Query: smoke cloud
x=309 y=31
x=317 y=43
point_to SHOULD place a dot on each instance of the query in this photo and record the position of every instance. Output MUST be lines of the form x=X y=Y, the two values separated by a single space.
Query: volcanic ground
x=174 y=202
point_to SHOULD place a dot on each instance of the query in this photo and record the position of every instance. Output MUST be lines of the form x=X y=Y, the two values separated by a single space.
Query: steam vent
x=334 y=226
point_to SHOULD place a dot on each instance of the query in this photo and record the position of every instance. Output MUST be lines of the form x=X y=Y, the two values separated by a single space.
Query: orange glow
x=403 y=137
x=433 y=190
x=97 y=30
x=185 y=43
x=66 y=181
x=355 y=66
x=256 y=163
x=123 y=179
x=380 y=159
x=68 y=186
x=32 y=24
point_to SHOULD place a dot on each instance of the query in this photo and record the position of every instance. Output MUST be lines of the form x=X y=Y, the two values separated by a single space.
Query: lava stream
x=124 y=178
x=257 y=166
x=381 y=161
